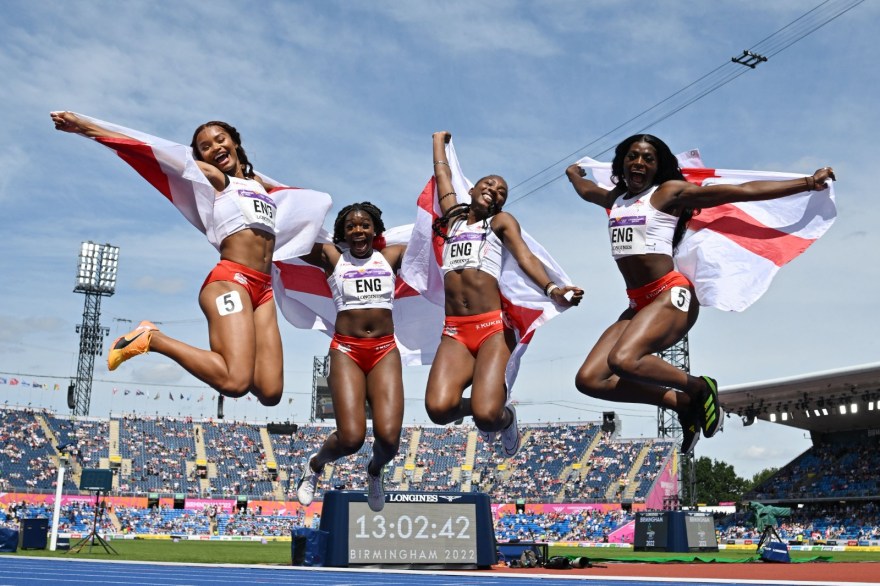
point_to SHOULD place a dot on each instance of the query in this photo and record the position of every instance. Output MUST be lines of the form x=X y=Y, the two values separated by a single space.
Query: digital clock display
x=414 y=529
x=412 y=533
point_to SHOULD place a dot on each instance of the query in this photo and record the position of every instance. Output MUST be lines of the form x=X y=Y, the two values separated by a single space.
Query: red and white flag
x=732 y=252
x=171 y=168
x=305 y=300
x=523 y=302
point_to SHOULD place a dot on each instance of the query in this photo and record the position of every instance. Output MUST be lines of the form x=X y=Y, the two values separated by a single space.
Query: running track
x=16 y=571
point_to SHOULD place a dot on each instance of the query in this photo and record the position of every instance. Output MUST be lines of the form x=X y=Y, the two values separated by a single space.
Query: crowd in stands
x=92 y=441
x=158 y=449
x=74 y=517
x=162 y=520
x=812 y=522
x=158 y=455
x=237 y=451
x=846 y=468
x=557 y=463
x=25 y=453
x=589 y=525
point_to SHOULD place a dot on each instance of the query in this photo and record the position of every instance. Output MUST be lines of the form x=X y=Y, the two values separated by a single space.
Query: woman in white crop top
x=648 y=213
x=475 y=345
x=245 y=354
x=365 y=366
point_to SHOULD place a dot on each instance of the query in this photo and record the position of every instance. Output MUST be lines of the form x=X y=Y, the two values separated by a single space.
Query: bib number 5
x=681 y=298
x=229 y=303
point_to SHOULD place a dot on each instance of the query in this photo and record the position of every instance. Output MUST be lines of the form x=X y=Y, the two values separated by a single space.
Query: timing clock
x=415 y=529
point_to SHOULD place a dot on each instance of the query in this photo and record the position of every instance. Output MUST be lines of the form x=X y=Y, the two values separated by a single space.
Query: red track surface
x=807 y=572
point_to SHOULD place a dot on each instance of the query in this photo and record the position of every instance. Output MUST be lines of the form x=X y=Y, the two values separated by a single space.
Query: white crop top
x=636 y=227
x=362 y=283
x=243 y=204
x=472 y=246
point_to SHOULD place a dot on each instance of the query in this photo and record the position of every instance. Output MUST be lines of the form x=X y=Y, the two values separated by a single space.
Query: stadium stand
x=832 y=488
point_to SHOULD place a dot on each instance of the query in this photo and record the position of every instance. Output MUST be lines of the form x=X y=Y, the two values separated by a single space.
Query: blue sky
x=343 y=97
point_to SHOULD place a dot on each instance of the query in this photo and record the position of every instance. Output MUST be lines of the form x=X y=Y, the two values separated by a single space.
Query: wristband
x=549 y=288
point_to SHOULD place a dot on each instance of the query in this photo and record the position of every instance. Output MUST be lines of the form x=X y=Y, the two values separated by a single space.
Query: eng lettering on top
x=628 y=235
x=365 y=285
x=256 y=208
x=463 y=248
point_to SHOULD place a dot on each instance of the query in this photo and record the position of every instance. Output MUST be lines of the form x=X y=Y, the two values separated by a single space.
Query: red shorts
x=257 y=284
x=642 y=297
x=366 y=352
x=473 y=330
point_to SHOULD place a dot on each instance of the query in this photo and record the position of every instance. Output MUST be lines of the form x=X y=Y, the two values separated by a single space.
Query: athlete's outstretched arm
x=589 y=190
x=70 y=122
x=684 y=194
x=508 y=229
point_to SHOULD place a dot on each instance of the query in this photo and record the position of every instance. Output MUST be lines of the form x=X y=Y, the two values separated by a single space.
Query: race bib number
x=229 y=303
x=628 y=235
x=256 y=208
x=681 y=298
x=462 y=250
x=366 y=286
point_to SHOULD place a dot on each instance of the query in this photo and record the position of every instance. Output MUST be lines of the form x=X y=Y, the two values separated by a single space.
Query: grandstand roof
x=845 y=399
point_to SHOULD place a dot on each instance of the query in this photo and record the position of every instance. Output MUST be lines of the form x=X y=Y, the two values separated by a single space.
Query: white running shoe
x=308 y=483
x=510 y=438
x=375 y=489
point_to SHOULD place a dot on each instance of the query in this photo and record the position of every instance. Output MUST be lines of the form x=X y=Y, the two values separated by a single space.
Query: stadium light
x=853 y=408
x=773 y=418
x=98 y=265
x=842 y=409
x=95 y=278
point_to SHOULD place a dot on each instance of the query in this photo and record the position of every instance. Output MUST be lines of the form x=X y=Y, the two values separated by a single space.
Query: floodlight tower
x=95 y=278
x=678 y=355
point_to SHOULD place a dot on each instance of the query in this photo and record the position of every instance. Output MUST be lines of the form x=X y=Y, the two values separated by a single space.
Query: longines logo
x=421 y=498
x=412 y=498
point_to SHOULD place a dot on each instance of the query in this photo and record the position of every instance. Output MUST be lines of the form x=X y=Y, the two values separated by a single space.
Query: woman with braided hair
x=365 y=365
x=649 y=209
x=236 y=297
x=476 y=343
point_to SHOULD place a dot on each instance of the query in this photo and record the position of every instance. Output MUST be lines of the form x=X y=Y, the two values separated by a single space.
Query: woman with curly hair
x=365 y=365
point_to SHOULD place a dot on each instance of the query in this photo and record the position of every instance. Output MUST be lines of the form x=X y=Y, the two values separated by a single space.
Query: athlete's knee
x=591 y=383
x=235 y=386
x=586 y=385
x=441 y=417
x=488 y=418
x=440 y=411
x=268 y=399
x=350 y=441
x=624 y=363
x=441 y=414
